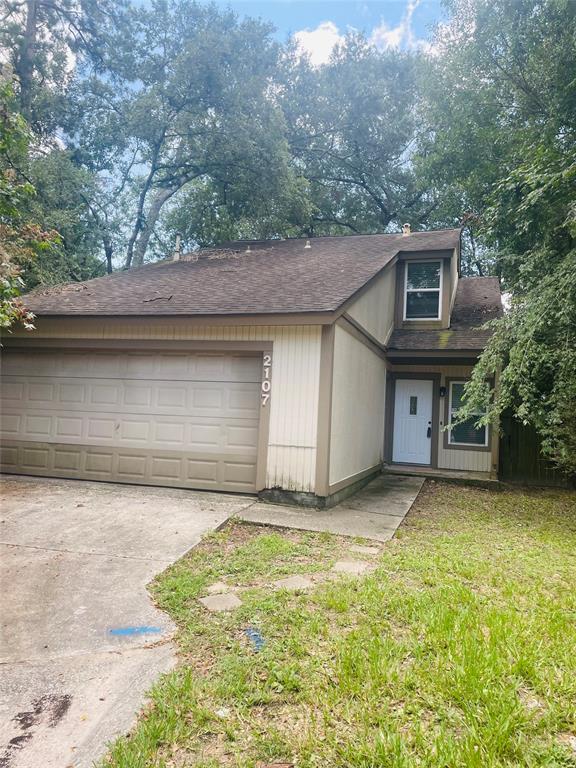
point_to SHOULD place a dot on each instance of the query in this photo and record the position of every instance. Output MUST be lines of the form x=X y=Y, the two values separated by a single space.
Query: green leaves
x=20 y=238
x=351 y=124
x=502 y=108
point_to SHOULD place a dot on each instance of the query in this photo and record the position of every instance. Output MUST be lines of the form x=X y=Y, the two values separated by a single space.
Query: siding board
x=374 y=310
x=358 y=400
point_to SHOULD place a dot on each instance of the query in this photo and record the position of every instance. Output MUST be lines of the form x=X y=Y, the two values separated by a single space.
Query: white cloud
x=319 y=43
x=400 y=36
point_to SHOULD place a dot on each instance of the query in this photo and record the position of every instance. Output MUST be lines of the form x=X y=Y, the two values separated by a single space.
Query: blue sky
x=318 y=25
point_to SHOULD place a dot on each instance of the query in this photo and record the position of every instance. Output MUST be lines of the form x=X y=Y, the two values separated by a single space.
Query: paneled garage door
x=176 y=418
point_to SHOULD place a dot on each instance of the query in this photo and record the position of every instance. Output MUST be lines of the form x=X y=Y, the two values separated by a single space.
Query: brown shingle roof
x=477 y=300
x=277 y=276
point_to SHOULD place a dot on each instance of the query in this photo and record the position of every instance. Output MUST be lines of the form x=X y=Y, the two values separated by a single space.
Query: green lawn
x=458 y=650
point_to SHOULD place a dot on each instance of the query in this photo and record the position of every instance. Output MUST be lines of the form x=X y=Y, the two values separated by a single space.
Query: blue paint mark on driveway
x=141 y=630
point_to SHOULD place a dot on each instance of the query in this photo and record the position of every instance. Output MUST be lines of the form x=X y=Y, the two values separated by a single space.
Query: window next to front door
x=465 y=434
x=423 y=286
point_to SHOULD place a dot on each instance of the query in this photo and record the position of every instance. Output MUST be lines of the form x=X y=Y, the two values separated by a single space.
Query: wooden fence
x=521 y=459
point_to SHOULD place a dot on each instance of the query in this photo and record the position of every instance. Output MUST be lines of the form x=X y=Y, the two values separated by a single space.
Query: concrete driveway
x=80 y=640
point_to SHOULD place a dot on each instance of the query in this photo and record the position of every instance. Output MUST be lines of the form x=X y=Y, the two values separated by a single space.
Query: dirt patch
x=568 y=740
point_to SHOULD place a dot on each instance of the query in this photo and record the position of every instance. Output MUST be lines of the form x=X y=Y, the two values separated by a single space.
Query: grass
x=459 y=650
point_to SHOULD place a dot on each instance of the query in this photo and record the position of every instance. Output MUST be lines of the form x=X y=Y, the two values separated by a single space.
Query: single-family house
x=294 y=368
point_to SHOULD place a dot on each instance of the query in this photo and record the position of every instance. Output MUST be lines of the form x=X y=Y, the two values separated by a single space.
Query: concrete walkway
x=80 y=639
x=373 y=513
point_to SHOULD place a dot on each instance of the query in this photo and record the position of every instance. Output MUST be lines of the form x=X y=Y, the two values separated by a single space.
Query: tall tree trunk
x=141 y=246
x=138 y=224
x=25 y=64
x=385 y=218
x=108 y=253
x=140 y=218
x=475 y=260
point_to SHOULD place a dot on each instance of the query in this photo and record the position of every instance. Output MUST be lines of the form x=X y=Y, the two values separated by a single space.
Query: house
x=288 y=367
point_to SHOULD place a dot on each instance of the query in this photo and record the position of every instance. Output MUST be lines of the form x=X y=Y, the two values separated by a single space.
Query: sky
x=318 y=26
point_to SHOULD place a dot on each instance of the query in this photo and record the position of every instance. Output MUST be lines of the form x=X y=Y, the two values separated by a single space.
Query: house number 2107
x=266 y=383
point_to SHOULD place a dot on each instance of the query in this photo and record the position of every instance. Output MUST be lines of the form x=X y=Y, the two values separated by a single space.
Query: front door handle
x=429 y=432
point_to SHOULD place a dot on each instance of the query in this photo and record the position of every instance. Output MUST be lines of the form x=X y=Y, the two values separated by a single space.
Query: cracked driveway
x=80 y=640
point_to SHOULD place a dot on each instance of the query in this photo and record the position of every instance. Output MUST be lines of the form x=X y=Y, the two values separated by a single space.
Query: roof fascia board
x=347 y=303
x=156 y=345
x=289 y=318
x=425 y=253
x=456 y=354
x=355 y=329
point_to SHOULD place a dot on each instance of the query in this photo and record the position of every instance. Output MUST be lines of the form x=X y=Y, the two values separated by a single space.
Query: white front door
x=412 y=438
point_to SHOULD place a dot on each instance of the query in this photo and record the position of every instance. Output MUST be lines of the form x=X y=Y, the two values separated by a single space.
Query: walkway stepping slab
x=293 y=582
x=361 y=550
x=217 y=588
x=225 y=602
x=354 y=567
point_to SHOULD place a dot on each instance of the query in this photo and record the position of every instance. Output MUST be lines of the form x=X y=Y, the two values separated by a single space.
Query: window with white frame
x=465 y=433
x=423 y=288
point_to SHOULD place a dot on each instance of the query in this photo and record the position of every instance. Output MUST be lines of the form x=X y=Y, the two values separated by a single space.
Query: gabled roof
x=276 y=276
x=477 y=300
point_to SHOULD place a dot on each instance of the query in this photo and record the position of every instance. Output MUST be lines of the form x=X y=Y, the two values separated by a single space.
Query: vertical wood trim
x=264 y=428
x=389 y=417
x=495 y=441
x=399 y=299
x=446 y=293
x=322 y=483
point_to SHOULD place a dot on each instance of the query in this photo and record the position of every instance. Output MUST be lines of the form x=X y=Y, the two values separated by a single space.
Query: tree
x=61 y=202
x=21 y=240
x=45 y=43
x=185 y=99
x=209 y=213
x=503 y=109
x=41 y=40
x=352 y=129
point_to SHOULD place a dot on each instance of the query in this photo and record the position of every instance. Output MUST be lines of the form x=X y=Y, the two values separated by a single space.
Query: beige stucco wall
x=291 y=462
x=452 y=458
x=358 y=400
x=374 y=310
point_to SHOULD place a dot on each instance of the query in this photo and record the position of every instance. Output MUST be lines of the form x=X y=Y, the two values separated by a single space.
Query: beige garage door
x=176 y=418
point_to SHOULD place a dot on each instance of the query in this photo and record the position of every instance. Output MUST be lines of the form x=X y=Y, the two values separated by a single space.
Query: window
x=465 y=433
x=423 y=286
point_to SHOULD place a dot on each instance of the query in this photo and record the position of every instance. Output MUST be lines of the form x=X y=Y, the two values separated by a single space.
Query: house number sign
x=266 y=382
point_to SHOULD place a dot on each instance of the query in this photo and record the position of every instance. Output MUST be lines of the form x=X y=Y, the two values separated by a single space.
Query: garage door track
x=80 y=640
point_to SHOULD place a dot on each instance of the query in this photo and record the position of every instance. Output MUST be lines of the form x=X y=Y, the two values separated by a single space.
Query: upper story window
x=423 y=287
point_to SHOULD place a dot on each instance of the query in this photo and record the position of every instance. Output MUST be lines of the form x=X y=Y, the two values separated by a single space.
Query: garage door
x=176 y=418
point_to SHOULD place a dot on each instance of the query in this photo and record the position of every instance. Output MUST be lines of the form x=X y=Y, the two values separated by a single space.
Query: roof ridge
x=334 y=237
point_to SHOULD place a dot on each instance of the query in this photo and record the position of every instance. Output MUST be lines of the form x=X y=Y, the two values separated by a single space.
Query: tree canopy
x=21 y=240
x=508 y=147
